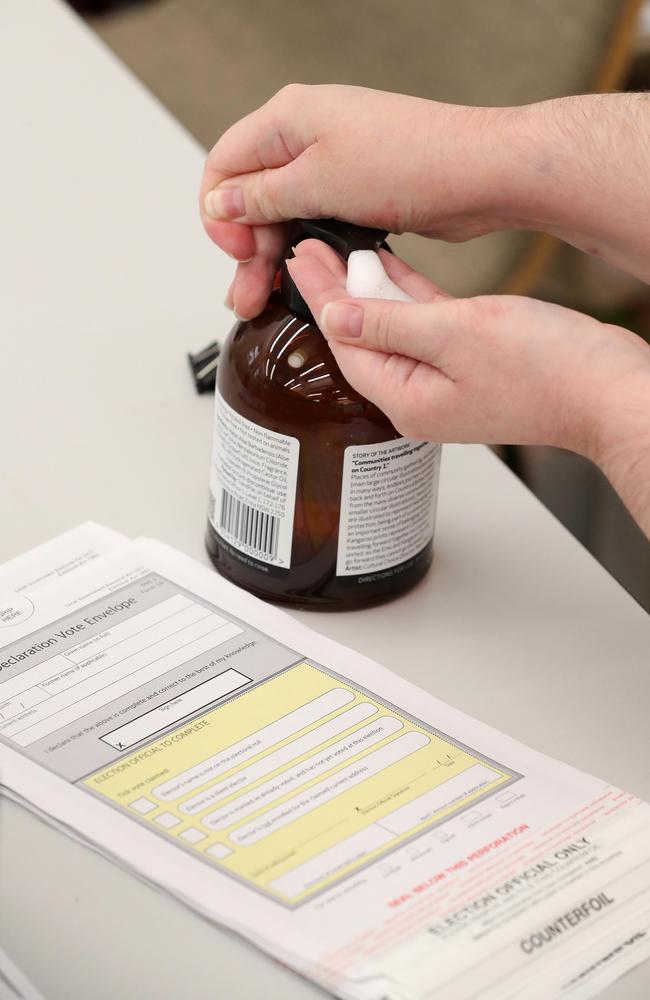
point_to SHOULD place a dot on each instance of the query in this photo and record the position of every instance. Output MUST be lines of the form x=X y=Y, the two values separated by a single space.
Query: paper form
x=373 y=838
x=310 y=723
x=51 y=562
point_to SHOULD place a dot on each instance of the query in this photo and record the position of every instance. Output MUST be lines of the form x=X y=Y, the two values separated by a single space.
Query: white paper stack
x=355 y=828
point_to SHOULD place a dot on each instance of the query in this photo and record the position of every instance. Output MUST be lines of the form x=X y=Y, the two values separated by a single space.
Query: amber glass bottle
x=315 y=498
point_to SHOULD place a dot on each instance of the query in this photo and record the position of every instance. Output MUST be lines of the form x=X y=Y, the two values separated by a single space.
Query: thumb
x=414 y=330
x=274 y=194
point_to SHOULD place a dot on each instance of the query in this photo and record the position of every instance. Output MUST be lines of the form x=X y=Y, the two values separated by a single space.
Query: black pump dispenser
x=343 y=237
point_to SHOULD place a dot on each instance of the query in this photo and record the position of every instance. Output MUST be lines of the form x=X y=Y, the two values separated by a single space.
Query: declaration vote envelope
x=348 y=823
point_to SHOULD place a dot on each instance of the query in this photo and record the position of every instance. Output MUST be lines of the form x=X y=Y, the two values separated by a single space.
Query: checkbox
x=218 y=851
x=192 y=835
x=167 y=820
x=142 y=806
x=505 y=797
x=471 y=817
x=415 y=851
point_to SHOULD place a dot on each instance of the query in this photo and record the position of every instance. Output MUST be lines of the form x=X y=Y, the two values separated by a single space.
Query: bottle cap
x=344 y=237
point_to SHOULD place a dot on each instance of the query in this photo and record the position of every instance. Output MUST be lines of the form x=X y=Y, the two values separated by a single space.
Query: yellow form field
x=298 y=782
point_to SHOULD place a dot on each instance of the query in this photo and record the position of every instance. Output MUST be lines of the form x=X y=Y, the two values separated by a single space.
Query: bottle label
x=388 y=501
x=253 y=486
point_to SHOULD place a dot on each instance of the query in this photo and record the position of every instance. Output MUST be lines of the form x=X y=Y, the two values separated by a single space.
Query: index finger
x=269 y=137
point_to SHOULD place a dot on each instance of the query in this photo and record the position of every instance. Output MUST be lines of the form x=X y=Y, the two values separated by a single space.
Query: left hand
x=491 y=369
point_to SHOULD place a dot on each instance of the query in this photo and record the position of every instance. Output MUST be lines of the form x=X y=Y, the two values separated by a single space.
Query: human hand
x=494 y=369
x=573 y=167
x=377 y=159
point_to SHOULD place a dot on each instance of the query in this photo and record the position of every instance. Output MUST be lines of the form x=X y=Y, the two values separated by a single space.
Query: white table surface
x=106 y=280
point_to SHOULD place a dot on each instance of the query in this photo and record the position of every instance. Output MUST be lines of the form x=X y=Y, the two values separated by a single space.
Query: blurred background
x=212 y=61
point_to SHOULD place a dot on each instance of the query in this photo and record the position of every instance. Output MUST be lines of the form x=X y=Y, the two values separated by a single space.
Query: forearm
x=578 y=168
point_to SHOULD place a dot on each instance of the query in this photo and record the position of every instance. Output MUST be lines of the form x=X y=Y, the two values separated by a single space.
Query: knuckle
x=262 y=199
x=291 y=93
x=408 y=420
x=386 y=328
x=404 y=423
x=214 y=159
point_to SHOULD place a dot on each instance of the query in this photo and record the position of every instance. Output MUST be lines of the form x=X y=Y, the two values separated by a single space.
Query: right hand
x=376 y=159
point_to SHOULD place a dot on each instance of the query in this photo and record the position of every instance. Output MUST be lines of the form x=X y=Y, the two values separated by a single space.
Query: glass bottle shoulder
x=280 y=359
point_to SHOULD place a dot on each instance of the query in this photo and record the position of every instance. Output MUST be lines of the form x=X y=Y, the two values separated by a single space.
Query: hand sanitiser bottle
x=315 y=499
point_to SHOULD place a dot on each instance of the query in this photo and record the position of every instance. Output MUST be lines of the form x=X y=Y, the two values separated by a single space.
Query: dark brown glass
x=315 y=404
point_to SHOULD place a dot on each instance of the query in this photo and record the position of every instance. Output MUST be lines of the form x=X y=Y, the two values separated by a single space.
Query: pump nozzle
x=343 y=237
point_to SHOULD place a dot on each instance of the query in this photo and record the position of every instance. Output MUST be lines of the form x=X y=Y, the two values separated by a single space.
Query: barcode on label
x=252 y=527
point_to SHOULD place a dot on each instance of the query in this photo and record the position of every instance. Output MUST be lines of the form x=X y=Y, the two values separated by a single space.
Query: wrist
x=487 y=168
x=521 y=151
x=466 y=172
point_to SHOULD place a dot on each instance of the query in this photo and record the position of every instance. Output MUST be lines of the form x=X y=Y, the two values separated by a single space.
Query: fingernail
x=225 y=203
x=341 y=319
x=240 y=260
